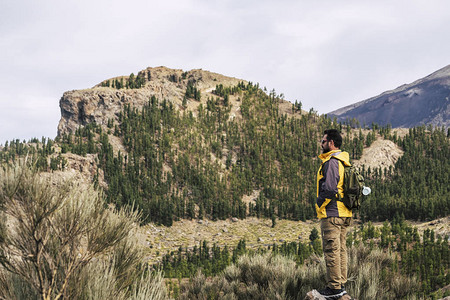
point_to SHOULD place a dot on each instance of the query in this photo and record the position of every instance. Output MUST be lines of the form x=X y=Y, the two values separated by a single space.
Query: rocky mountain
x=105 y=100
x=425 y=101
x=190 y=144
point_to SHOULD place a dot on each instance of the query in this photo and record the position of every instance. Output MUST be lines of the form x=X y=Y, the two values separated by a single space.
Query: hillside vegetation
x=203 y=164
x=181 y=166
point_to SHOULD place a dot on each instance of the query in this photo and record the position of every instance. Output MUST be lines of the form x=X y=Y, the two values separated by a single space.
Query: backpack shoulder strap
x=333 y=156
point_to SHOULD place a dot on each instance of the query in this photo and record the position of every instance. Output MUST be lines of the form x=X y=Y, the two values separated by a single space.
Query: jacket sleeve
x=331 y=178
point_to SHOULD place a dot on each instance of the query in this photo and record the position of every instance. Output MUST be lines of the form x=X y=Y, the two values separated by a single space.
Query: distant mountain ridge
x=425 y=101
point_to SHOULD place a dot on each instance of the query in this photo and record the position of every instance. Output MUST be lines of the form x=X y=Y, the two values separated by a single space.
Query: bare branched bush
x=61 y=241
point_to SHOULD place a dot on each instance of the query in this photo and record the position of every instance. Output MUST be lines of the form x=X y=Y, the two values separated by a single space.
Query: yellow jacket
x=330 y=181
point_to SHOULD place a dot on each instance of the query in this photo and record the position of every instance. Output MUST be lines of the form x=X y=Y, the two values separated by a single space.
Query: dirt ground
x=159 y=240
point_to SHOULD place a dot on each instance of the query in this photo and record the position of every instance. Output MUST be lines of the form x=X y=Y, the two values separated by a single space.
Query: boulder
x=314 y=295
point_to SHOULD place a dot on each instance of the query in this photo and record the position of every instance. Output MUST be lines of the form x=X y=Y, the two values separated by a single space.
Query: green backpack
x=353 y=187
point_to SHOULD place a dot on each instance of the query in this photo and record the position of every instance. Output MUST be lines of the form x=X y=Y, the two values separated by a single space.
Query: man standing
x=335 y=217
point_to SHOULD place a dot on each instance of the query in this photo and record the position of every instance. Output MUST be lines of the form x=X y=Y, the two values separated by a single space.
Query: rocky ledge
x=104 y=102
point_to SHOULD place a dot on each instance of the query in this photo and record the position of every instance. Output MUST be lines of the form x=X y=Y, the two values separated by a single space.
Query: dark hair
x=335 y=136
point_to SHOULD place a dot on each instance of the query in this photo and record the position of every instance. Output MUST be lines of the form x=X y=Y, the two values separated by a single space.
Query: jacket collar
x=326 y=156
x=339 y=154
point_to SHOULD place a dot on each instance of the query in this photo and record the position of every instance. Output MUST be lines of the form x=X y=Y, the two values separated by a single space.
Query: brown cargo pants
x=334 y=231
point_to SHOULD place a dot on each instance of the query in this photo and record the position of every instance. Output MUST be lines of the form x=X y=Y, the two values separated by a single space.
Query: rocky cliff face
x=101 y=103
x=425 y=101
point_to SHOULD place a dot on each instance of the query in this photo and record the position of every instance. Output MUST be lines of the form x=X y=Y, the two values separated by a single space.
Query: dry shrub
x=61 y=241
x=252 y=277
x=276 y=277
x=310 y=276
x=370 y=276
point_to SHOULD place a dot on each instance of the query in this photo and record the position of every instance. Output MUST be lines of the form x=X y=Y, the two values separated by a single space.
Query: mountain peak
x=105 y=100
x=425 y=101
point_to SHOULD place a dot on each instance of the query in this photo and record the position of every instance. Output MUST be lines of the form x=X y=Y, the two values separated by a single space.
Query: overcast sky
x=326 y=54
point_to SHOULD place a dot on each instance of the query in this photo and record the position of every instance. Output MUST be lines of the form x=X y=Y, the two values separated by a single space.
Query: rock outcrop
x=381 y=154
x=314 y=295
x=102 y=103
